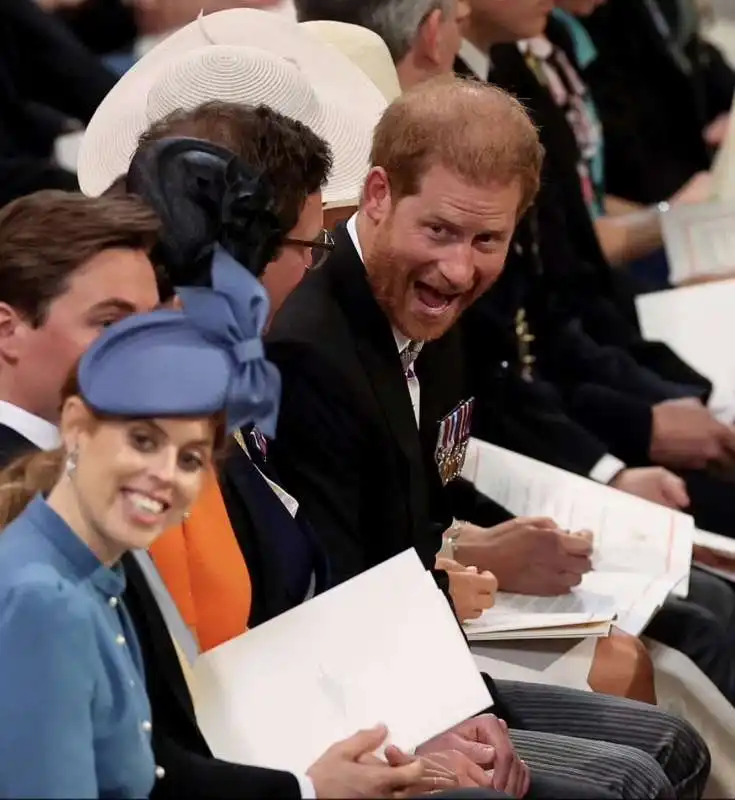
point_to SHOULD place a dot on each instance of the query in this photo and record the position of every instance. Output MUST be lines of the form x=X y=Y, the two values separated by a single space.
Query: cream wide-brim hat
x=364 y=48
x=241 y=56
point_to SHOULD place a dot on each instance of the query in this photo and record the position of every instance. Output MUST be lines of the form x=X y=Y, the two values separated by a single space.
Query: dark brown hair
x=471 y=128
x=39 y=471
x=292 y=157
x=45 y=237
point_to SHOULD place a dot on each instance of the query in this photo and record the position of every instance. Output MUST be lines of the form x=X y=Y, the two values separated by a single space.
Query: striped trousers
x=604 y=746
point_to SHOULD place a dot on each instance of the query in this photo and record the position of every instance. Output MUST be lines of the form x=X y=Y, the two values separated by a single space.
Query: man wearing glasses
x=303 y=250
x=284 y=563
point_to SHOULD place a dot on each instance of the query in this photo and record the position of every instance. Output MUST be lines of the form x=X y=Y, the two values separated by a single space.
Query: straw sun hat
x=242 y=56
x=364 y=48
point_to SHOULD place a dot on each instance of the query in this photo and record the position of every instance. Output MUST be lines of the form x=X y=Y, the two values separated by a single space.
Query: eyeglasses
x=321 y=246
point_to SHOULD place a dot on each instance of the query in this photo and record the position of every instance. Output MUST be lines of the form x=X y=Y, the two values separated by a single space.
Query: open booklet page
x=628 y=599
x=699 y=240
x=723 y=165
x=630 y=534
x=697 y=322
x=642 y=551
x=376 y=649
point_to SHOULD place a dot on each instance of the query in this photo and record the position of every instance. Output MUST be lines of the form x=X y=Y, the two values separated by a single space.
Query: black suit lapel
x=461 y=69
x=375 y=345
x=13 y=445
x=512 y=73
x=251 y=526
x=158 y=648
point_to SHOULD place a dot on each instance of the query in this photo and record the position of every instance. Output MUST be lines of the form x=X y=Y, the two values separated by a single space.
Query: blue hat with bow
x=192 y=363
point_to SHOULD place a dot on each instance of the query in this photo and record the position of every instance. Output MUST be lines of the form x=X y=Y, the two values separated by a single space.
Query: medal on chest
x=452 y=441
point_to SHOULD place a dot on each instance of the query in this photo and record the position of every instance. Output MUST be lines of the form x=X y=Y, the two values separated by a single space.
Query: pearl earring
x=71 y=462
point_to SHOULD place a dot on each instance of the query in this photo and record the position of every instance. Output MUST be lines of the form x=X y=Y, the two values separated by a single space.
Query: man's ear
x=376 y=196
x=428 y=38
x=12 y=332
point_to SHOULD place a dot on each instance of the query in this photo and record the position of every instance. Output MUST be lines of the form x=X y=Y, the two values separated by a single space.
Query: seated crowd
x=435 y=215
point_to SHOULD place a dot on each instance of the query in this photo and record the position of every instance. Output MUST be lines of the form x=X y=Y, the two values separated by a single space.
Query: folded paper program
x=371 y=650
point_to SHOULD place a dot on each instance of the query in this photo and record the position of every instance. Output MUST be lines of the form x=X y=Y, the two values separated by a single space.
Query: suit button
x=146 y=726
x=504 y=365
x=113 y=601
x=120 y=639
x=160 y=773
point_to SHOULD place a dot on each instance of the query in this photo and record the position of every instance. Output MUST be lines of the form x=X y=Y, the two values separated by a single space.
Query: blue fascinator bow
x=232 y=315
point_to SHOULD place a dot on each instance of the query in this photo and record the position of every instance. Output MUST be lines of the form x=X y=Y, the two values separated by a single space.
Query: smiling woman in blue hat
x=141 y=421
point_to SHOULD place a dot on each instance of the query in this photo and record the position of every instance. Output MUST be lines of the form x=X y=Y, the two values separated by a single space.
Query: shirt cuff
x=306 y=785
x=722 y=405
x=606 y=469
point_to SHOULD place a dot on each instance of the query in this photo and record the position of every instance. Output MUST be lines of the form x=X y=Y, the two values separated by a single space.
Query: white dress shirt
x=402 y=342
x=290 y=502
x=477 y=60
x=45 y=436
x=38 y=431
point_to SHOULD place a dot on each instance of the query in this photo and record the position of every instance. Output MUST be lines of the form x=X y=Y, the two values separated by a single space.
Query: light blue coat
x=74 y=714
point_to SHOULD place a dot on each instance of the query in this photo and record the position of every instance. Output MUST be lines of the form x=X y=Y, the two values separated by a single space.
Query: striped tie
x=409 y=354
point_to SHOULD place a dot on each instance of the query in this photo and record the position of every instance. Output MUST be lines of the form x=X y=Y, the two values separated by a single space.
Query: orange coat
x=203 y=568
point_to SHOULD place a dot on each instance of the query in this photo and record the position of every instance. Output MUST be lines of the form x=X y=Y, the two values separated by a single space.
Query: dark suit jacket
x=652 y=110
x=103 y=26
x=347 y=444
x=573 y=267
x=179 y=746
x=46 y=77
x=578 y=381
x=12 y=445
x=259 y=543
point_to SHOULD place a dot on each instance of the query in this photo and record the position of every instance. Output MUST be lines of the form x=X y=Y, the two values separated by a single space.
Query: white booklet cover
x=383 y=647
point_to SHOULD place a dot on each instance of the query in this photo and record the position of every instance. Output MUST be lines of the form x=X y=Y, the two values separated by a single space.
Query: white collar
x=539 y=46
x=38 y=431
x=352 y=232
x=402 y=341
x=477 y=60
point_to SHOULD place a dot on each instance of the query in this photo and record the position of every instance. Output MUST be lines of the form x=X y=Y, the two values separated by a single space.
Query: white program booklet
x=628 y=599
x=380 y=648
x=699 y=240
x=723 y=165
x=642 y=551
x=630 y=534
x=698 y=323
